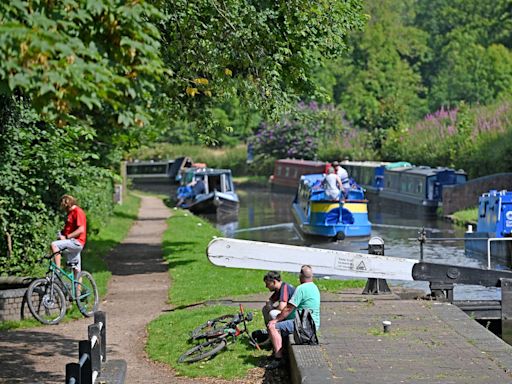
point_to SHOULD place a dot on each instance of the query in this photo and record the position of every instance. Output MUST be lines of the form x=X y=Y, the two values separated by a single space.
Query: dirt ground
x=137 y=294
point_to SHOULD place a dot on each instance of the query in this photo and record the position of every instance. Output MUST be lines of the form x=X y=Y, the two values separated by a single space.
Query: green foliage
x=262 y=52
x=300 y=133
x=470 y=42
x=77 y=59
x=37 y=165
x=378 y=84
x=478 y=140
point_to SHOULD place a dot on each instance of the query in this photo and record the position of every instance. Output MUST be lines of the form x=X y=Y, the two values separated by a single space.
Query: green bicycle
x=47 y=297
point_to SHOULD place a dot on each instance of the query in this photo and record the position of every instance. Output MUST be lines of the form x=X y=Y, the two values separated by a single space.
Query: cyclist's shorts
x=72 y=252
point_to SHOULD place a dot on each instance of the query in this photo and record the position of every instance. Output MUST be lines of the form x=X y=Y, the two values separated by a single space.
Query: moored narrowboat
x=287 y=173
x=316 y=215
x=208 y=190
x=419 y=186
x=493 y=235
x=158 y=171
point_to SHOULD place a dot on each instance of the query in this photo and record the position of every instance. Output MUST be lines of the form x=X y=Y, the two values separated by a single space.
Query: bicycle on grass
x=217 y=333
x=47 y=296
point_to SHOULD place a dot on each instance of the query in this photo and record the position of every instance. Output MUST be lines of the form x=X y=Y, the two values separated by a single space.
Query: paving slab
x=428 y=342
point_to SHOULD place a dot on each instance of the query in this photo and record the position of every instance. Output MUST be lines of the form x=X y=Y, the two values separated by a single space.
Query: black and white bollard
x=376 y=286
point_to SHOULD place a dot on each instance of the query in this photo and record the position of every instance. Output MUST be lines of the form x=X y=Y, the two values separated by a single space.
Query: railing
x=489 y=240
x=92 y=353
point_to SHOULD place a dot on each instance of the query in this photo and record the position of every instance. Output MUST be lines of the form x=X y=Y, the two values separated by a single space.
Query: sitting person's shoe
x=276 y=363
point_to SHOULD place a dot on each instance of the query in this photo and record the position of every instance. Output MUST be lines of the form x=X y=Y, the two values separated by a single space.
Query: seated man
x=281 y=293
x=306 y=295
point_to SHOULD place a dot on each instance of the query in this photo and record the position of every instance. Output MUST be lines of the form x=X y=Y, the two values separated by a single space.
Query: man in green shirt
x=306 y=295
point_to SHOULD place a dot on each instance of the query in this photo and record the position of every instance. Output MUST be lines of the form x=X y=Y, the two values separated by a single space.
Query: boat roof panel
x=209 y=171
x=301 y=162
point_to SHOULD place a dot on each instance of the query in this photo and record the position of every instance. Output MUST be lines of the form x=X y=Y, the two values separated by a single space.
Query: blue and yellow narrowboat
x=315 y=215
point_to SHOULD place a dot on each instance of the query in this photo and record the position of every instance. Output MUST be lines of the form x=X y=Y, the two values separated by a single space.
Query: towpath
x=137 y=293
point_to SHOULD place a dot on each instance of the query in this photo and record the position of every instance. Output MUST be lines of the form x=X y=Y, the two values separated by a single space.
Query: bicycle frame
x=55 y=272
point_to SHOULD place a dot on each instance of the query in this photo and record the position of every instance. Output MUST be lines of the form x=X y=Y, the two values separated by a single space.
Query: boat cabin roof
x=209 y=171
x=301 y=162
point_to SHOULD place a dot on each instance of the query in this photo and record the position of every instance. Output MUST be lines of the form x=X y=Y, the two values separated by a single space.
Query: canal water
x=266 y=216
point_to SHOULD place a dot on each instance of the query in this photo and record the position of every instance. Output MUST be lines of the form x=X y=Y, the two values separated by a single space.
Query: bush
x=38 y=165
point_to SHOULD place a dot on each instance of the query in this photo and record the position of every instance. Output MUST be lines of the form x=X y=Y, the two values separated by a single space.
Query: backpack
x=304 y=331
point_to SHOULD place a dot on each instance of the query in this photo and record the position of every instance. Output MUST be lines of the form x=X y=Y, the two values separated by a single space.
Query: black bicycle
x=46 y=297
x=217 y=333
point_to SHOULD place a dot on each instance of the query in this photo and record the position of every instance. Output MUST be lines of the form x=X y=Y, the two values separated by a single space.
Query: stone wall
x=12 y=304
x=462 y=196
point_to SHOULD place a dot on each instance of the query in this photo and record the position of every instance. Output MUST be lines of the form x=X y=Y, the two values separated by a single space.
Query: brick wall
x=462 y=196
x=12 y=304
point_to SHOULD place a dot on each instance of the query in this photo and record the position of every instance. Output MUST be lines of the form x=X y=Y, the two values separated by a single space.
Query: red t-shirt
x=76 y=218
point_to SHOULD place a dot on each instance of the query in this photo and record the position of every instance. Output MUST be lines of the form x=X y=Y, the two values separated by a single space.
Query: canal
x=266 y=216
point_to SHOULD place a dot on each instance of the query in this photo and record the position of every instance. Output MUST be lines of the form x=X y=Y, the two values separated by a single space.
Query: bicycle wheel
x=86 y=294
x=213 y=328
x=203 y=350
x=46 y=301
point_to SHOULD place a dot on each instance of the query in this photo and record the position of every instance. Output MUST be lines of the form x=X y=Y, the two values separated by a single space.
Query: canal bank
x=427 y=342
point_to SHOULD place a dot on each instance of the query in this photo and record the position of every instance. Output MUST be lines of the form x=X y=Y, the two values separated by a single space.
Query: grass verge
x=465 y=217
x=195 y=280
x=98 y=245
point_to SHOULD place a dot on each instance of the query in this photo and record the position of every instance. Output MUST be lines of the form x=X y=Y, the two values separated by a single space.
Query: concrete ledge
x=113 y=372
x=308 y=365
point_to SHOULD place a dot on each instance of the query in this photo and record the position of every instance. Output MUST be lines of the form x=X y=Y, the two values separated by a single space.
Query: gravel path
x=137 y=294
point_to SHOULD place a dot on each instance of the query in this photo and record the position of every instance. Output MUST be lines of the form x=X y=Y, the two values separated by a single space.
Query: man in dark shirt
x=281 y=293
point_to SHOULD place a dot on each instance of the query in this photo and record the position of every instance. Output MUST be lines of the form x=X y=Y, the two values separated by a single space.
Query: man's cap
x=335 y=163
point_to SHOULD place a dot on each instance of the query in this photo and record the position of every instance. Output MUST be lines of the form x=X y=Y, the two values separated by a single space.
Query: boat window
x=278 y=170
x=215 y=183
x=146 y=169
x=287 y=172
x=419 y=188
x=225 y=183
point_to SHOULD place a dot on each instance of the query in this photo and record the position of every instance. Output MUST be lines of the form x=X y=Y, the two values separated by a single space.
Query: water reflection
x=265 y=216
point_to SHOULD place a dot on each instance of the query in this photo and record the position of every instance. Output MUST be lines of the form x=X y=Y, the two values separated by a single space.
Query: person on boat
x=281 y=294
x=343 y=175
x=306 y=295
x=189 y=191
x=332 y=185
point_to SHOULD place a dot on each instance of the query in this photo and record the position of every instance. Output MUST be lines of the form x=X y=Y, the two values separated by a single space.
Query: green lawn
x=195 y=280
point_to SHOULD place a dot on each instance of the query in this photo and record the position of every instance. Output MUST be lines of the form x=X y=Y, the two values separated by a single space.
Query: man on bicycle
x=73 y=235
x=281 y=294
x=306 y=295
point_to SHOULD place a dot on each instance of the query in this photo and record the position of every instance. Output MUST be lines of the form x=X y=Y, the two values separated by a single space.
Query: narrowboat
x=317 y=216
x=493 y=236
x=369 y=174
x=287 y=173
x=208 y=190
x=162 y=171
x=419 y=186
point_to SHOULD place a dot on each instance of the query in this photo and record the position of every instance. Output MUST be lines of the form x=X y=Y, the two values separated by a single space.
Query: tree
x=379 y=85
x=76 y=59
x=471 y=42
x=261 y=52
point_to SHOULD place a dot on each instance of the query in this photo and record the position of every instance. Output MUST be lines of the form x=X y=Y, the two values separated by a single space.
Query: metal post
x=84 y=355
x=376 y=286
x=506 y=310
x=72 y=373
x=101 y=317
x=94 y=337
x=422 y=238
